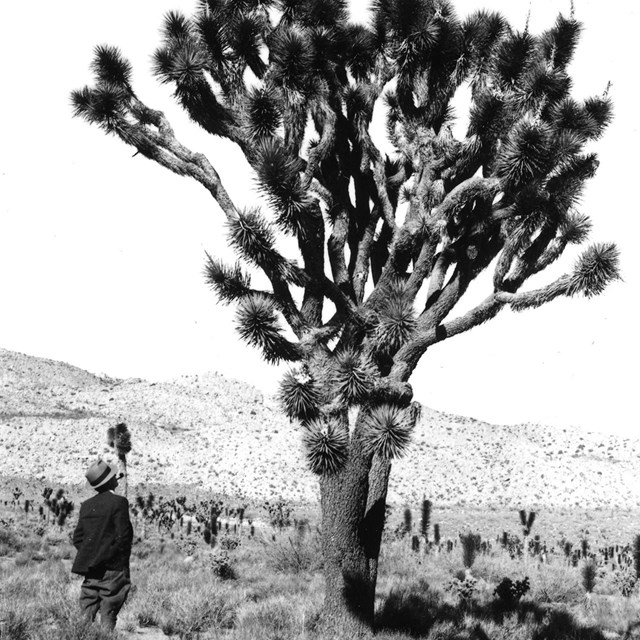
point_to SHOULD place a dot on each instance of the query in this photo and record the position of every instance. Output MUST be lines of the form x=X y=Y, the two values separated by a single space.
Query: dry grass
x=277 y=592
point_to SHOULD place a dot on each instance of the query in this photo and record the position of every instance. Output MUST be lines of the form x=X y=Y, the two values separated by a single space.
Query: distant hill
x=222 y=434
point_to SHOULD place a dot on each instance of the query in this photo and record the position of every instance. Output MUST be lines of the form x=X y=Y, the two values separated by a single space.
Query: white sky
x=101 y=253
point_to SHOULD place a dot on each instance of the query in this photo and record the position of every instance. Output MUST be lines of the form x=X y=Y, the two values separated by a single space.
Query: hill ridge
x=224 y=434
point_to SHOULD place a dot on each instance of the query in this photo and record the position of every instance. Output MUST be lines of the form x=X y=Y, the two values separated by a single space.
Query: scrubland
x=258 y=574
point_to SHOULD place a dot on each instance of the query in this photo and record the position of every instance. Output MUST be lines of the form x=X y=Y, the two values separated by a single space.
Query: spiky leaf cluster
x=595 y=269
x=263 y=113
x=388 y=431
x=253 y=238
x=279 y=179
x=526 y=155
x=119 y=438
x=299 y=395
x=396 y=320
x=326 y=443
x=257 y=324
x=353 y=377
x=229 y=283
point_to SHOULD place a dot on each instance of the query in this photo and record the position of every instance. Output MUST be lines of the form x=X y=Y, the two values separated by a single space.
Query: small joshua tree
x=119 y=439
x=470 y=544
x=407 y=522
x=294 y=84
x=527 y=522
x=589 y=572
x=425 y=519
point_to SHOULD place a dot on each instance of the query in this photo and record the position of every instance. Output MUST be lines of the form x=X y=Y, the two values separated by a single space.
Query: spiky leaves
x=263 y=113
x=299 y=395
x=258 y=325
x=513 y=57
x=388 y=430
x=251 y=235
x=184 y=61
x=291 y=58
x=526 y=155
x=360 y=51
x=106 y=106
x=397 y=321
x=353 y=377
x=246 y=41
x=278 y=175
x=111 y=67
x=119 y=438
x=575 y=228
x=229 y=283
x=326 y=443
x=559 y=43
x=595 y=269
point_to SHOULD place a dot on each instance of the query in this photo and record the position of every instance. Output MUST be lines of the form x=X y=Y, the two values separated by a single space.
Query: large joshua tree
x=388 y=242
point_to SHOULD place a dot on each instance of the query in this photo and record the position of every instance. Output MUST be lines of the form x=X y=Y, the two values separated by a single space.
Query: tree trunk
x=351 y=533
x=123 y=463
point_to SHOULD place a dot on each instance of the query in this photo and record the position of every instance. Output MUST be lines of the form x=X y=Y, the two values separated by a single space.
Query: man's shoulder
x=117 y=499
x=106 y=497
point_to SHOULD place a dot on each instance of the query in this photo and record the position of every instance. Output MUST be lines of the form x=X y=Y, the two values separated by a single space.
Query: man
x=103 y=538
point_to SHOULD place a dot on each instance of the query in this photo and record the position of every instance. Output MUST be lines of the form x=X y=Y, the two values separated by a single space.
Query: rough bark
x=349 y=593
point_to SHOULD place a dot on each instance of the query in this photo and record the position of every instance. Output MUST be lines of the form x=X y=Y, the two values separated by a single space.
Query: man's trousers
x=104 y=590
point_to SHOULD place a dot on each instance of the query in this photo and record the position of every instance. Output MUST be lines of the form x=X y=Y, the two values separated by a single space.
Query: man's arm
x=123 y=528
x=78 y=533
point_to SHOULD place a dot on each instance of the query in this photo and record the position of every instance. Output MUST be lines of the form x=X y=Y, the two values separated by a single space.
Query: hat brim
x=102 y=481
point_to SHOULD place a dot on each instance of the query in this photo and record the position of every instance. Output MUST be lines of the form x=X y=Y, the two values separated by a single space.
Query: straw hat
x=99 y=473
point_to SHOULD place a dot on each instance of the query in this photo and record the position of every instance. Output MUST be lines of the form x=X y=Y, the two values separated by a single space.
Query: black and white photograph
x=319 y=320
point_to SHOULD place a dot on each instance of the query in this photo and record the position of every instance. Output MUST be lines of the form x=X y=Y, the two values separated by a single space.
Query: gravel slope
x=224 y=435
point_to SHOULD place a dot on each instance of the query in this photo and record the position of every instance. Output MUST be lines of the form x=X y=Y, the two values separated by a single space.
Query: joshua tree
x=387 y=239
x=119 y=438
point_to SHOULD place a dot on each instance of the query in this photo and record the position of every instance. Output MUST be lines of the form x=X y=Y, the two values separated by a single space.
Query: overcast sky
x=101 y=253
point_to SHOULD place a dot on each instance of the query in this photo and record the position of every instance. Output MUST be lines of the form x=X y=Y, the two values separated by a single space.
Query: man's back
x=104 y=535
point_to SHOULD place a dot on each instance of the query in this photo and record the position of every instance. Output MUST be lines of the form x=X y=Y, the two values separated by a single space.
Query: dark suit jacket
x=103 y=535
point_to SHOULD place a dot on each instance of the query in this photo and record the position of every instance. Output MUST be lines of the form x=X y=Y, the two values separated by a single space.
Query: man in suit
x=103 y=538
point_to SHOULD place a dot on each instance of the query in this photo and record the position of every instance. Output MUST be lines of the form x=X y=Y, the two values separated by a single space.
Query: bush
x=189 y=612
x=295 y=555
x=273 y=619
x=16 y=626
x=510 y=592
x=409 y=609
x=229 y=542
x=9 y=541
x=624 y=579
x=221 y=565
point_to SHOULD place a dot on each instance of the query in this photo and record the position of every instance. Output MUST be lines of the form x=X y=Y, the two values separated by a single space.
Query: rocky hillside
x=223 y=434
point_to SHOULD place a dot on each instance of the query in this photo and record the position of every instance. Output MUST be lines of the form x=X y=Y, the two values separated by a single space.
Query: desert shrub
x=16 y=625
x=511 y=627
x=463 y=588
x=72 y=625
x=229 y=542
x=589 y=572
x=513 y=545
x=9 y=541
x=221 y=565
x=556 y=584
x=409 y=609
x=190 y=612
x=279 y=513
x=294 y=555
x=510 y=591
x=273 y=619
x=560 y=625
x=470 y=545
x=624 y=579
